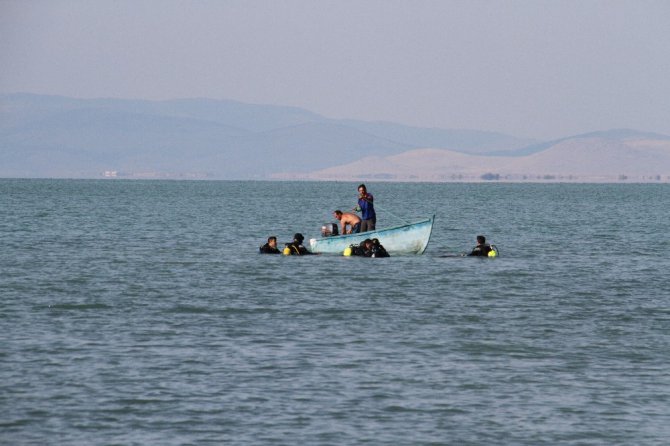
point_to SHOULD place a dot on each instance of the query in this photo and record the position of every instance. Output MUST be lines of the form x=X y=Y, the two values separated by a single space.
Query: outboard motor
x=329 y=230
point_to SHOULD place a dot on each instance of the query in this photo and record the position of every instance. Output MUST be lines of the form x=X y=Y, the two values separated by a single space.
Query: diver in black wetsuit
x=368 y=248
x=296 y=248
x=270 y=247
x=482 y=248
x=378 y=250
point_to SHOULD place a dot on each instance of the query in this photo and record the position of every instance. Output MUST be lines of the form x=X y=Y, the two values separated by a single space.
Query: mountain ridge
x=58 y=136
x=575 y=159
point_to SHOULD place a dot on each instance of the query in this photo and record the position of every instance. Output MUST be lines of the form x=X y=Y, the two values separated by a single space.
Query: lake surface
x=139 y=312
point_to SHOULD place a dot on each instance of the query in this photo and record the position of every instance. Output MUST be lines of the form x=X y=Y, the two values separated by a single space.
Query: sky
x=528 y=68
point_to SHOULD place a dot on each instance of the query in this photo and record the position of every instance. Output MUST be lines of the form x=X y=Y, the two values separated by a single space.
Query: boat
x=411 y=238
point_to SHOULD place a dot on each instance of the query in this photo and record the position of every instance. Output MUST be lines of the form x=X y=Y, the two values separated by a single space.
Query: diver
x=270 y=247
x=367 y=248
x=378 y=249
x=296 y=247
x=483 y=249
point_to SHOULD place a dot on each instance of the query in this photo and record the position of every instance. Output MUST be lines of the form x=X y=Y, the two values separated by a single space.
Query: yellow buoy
x=492 y=253
x=347 y=251
x=287 y=251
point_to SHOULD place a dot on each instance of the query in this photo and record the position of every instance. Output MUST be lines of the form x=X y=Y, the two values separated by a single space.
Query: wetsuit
x=298 y=249
x=267 y=249
x=481 y=250
x=368 y=214
x=379 y=251
x=375 y=251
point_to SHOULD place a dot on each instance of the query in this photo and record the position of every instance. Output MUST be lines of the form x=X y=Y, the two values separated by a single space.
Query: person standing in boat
x=367 y=209
x=270 y=247
x=348 y=219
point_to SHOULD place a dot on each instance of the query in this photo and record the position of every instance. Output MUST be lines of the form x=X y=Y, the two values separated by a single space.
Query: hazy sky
x=539 y=69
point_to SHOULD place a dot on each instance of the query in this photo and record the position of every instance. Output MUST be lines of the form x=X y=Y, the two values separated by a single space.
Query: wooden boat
x=410 y=238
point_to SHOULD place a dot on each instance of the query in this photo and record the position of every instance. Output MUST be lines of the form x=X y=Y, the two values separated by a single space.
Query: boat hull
x=411 y=238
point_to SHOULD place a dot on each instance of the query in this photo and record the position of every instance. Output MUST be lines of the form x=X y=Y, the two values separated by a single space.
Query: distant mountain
x=465 y=141
x=613 y=135
x=617 y=155
x=53 y=136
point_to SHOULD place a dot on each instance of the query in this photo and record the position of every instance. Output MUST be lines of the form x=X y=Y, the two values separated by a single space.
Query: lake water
x=139 y=312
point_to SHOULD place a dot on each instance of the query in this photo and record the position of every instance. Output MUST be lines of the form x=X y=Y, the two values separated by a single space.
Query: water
x=139 y=313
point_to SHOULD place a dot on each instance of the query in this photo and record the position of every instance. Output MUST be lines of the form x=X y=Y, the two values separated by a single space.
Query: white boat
x=411 y=238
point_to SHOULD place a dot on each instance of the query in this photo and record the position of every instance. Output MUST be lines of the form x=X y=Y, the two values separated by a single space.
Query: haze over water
x=139 y=312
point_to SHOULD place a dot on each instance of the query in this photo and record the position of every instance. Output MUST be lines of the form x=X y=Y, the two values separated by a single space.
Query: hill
x=53 y=136
x=597 y=157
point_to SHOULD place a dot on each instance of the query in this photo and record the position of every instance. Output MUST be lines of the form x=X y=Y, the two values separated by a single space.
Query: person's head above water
x=481 y=239
x=298 y=237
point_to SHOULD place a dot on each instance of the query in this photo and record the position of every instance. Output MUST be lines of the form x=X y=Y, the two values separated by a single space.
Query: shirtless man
x=348 y=219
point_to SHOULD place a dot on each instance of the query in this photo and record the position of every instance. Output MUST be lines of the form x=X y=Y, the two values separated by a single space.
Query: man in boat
x=270 y=247
x=296 y=247
x=482 y=248
x=348 y=219
x=367 y=209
